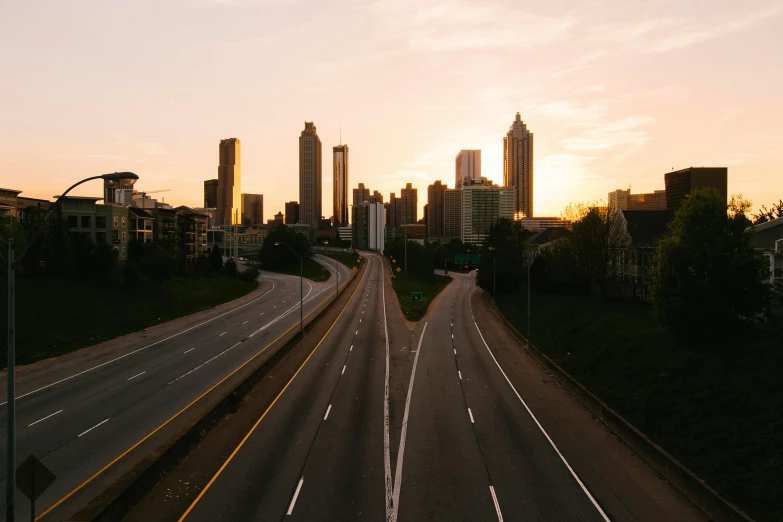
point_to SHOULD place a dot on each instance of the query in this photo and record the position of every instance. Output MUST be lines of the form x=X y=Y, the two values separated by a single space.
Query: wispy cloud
x=91 y=156
x=626 y=132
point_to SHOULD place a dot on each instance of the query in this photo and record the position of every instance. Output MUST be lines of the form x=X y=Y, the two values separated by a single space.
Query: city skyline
x=602 y=88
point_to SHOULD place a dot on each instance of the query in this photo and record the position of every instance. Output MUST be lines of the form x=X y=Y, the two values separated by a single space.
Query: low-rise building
x=769 y=240
x=140 y=224
x=102 y=223
x=192 y=232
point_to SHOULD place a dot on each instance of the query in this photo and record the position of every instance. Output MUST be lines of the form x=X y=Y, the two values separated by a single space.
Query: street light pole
x=10 y=483
x=301 y=284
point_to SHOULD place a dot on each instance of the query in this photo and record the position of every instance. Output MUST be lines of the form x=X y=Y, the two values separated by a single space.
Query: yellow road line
x=153 y=432
x=253 y=429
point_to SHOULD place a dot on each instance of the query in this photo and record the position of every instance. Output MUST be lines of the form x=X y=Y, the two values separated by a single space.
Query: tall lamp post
x=10 y=483
x=301 y=285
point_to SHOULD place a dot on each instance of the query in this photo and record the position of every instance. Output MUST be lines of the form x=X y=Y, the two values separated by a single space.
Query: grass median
x=311 y=269
x=56 y=316
x=429 y=288
x=349 y=260
x=715 y=407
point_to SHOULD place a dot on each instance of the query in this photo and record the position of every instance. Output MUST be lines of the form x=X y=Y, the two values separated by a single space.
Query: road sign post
x=32 y=479
x=461 y=259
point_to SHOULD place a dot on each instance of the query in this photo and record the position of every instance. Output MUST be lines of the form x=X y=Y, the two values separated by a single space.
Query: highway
x=78 y=414
x=446 y=419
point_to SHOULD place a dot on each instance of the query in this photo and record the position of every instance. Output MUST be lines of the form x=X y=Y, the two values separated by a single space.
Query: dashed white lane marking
x=88 y=431
x=351 y=349
x=497 y=506
x=186 y=351
x=327 y=412
x=245 y=322
x=452 y=336
x=471 y=416
x=455 y=351
x=460 y=374
x=206 y=362
x=262 y=313
x=296 y=494
x=357 y=332
x=142 y=373
x=221 y=335
x=342 y=372
x=39 y=420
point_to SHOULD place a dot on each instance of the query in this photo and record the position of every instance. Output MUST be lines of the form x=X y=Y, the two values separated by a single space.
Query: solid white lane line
x=540 y=427
x=342 y=372
x=296 y=494
x=245 y=322
x=460 y=374
x=497 y=505
x=142 y=373
x=327 y=412
x=186 y=351
x=471 y=416
x=221 y=335
x=88 y=431
x=386 y=450
x=39 y=420
x=403 y=434
x=140 y=349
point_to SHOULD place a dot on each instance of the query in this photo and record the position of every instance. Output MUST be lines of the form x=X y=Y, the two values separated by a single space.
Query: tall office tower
x=468 y=168
x=481 y=207
x=518 y=167
x=367 y=230
x=310 y=177
x=252 y=209
x=681 y=183
x=435 y=210
x=410 y=205
x=360 y=194
x=393 y=213
x=376 y=197
x=210 y=193
x=229 y=182
x=452 y=213
x=340 y=178
x=292 y=213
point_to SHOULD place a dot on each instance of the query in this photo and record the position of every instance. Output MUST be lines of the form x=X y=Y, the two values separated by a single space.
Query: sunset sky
x=616 y=92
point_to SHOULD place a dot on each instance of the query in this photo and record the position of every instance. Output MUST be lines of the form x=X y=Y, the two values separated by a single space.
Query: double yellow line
x=180 y=412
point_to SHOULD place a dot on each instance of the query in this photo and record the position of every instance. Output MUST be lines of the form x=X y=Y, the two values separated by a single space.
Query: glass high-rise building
x=468 y=168
x=310 y=177
x=340 y=186
x=518 y=167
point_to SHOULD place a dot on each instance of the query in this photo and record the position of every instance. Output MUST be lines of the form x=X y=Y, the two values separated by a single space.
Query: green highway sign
x=475 y=259
x=461 y=259
x=416 y=296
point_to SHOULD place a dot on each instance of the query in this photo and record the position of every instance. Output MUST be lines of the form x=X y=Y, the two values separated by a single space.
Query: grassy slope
x=55 y=316
x=430 y=288
x=715 y=408
x=311 y=269
x=349 y=260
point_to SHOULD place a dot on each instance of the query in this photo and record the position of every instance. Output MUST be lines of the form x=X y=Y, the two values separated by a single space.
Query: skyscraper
x=481 y=207
x=229 y=181
x=452 y=213
x=468 y=168
x=360 y=194
x=340 y=178
x=410 y=205
x=210 y=193
x=252 y=209
x=310 y=177
x=292 y=213
x=518 y=167
x=435 y=210
x=376 y=197
x=681 y=183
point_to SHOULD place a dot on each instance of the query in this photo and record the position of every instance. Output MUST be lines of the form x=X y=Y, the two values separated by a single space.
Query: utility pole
x=10 y=483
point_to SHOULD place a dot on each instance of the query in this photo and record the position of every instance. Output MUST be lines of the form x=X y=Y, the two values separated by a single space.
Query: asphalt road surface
x=443 y=420
x=77 y=419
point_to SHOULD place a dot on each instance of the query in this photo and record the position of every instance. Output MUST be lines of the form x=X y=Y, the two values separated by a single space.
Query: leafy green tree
x=274 y=257
x=768 y=214
x=419 y=258
x=707 y=274
x=503 y=252
x=216 y=259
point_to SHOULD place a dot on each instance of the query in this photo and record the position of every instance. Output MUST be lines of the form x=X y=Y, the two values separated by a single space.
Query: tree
x=419 y=258
x=768 y=214
x=503 y=251
x=707 y=274
x=274 y=257
x=216 y=259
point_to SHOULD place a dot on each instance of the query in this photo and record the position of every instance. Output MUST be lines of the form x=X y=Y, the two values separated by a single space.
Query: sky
x=616 y=93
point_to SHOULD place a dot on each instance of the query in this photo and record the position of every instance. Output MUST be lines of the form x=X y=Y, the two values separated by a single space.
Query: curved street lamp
x=11 y=392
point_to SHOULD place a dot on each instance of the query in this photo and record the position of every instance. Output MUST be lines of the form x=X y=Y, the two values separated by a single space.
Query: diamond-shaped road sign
x=33 y=478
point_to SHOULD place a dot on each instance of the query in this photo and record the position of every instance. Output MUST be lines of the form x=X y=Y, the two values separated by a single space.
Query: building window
x=85 y=221
x=100 y=238
x=115 y=236
x=100 y=222
x=124 y=252
x=123 y=236
x=115 y=221
x=123 y=222
x=73 y=221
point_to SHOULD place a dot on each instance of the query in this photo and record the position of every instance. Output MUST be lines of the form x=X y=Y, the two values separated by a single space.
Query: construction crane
x=142 y=194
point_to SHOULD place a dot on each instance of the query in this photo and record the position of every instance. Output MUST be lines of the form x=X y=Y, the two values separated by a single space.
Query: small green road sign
x=461 y=259
x=475 y=259
x=416 y=296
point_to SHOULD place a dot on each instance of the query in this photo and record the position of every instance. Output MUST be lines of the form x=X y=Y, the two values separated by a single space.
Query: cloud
x=150 y=148
x=572 y=112
x=625 y=132
x=91 y=156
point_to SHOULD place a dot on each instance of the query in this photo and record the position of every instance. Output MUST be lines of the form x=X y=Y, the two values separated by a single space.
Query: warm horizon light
x=616 y=94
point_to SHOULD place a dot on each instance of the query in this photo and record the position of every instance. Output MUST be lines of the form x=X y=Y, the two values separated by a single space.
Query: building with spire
x=340 y=184
x=310 y=177
x=518 y=167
